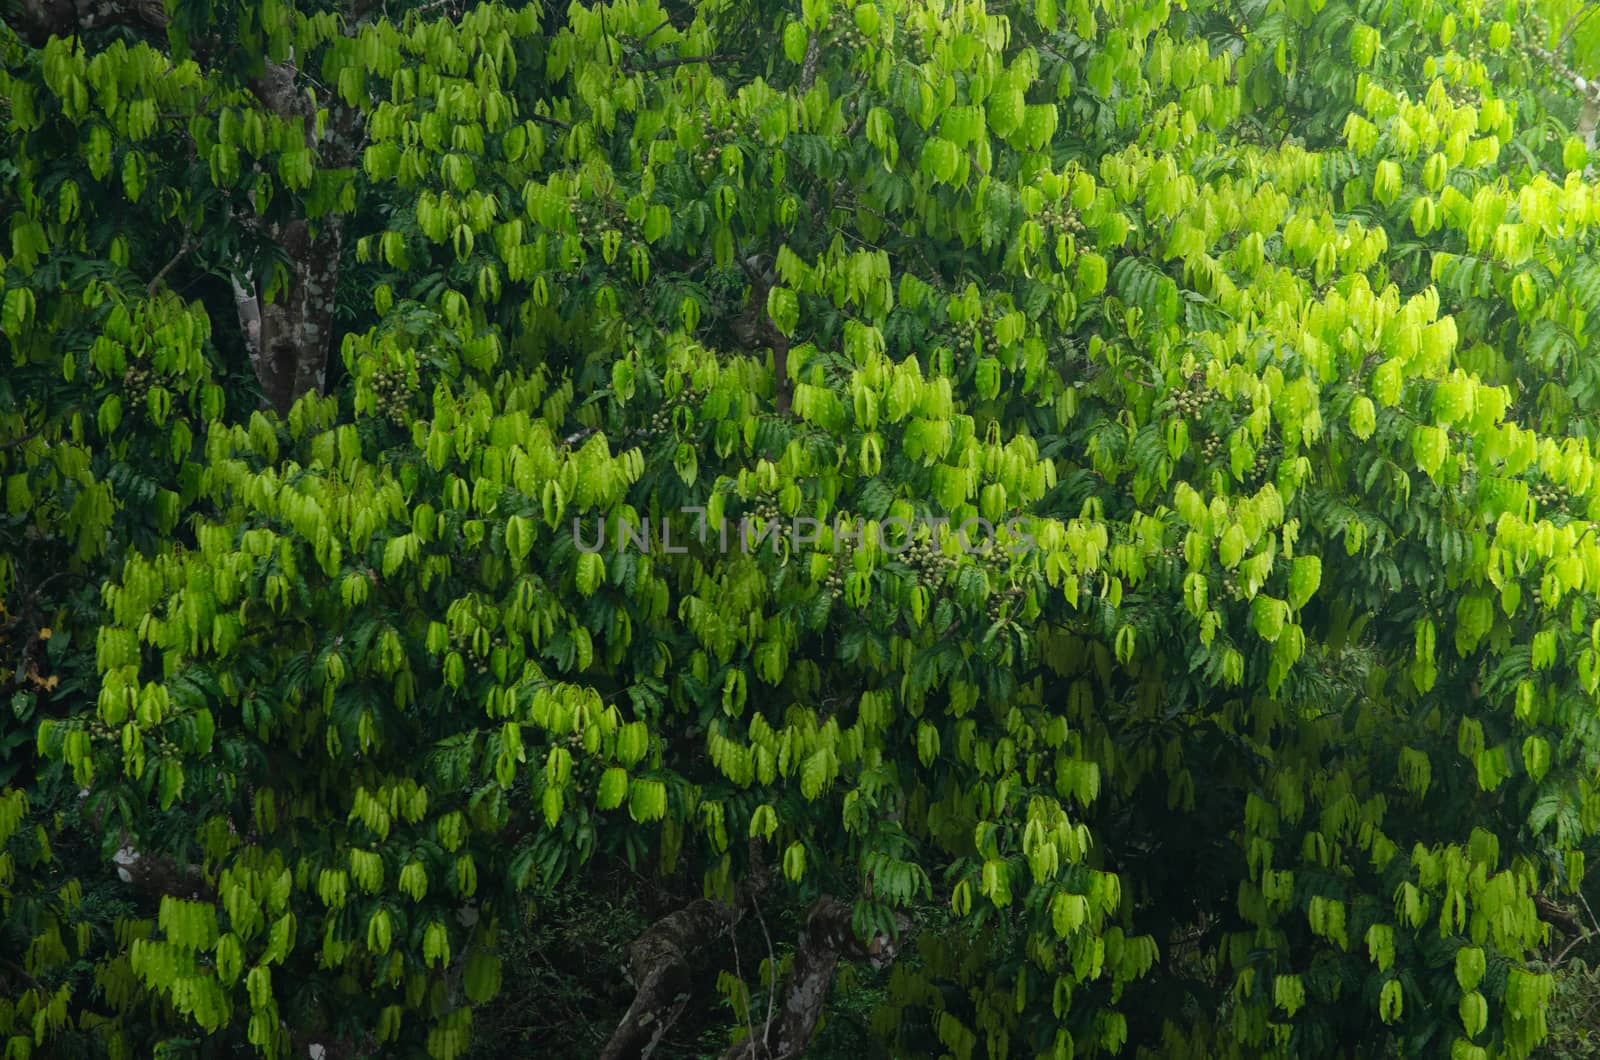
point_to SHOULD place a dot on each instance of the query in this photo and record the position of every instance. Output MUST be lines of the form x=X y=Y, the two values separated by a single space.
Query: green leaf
x=590 y=573
x=1305 y=577
x=613 y=789
x=784 y=308
x=940 y=159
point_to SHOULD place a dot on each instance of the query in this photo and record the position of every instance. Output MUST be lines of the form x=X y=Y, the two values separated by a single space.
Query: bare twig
x=664 y=23
x=1592 y=919
x=772 y=961
x=1567 y=948
x=738 y=973
x=12 y=443
x=30 y=602
x=1573 y=23
x=826 y=939
x=183 y=252
x=548 y=120
x=24 y=974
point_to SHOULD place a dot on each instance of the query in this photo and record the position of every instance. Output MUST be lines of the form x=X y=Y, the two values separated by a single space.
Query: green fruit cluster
x=715 y=137
x=842 y=557
x=1004 y=600
x=137 y=382
x=1191 y=402
x=931 y=563
x=1549 y=496
x=842 y=27
x=592 y=217
x=393 y=394
x=968 y=333
x=765 y=511
x=660 y=422
x=996 y=564
x=1267 y=454
x=1061 y=219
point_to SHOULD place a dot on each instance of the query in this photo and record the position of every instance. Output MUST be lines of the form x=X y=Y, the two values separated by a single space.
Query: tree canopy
x=1256 y=713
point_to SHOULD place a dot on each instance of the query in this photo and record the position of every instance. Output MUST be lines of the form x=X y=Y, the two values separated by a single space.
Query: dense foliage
x=1263 y=723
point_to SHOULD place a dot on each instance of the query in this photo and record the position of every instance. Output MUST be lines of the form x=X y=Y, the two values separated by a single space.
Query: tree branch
x=1566 y=919
x=183 y=252
x=12 y=443
x=42 y=19
x=663 y=24
x=548 y=120
x=428 y=9
x=1573 y=24
x=808 y=67
x=827 y=938
x=1588 y=91
x=658 y=964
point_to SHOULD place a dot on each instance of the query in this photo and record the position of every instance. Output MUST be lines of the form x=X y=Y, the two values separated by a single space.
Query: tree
x=1255 y=334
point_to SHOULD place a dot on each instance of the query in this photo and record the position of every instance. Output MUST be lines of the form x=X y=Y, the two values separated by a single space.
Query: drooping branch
x=12 y=443
x=548 y=120
x=1588 y=127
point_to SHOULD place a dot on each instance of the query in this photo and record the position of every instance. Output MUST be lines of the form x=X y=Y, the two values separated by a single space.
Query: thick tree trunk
x=288 y=339
x=658 y=963
x=294 y=333
x=158 y=876
x=828 y=937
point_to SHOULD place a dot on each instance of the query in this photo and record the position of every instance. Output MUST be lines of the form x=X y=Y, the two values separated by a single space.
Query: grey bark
x=43 y=19
x=827 y=939
x=659 y=967
x=1588 y=127
x=288 y=339
x=658 y=963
